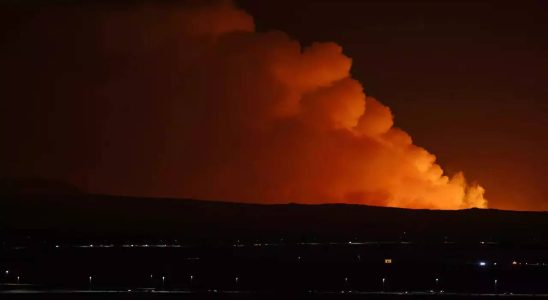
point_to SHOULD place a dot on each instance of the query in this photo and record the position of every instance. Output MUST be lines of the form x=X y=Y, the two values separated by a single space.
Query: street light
x=437 y=281
x=191 y=277
x=90 y=278
x=163 y=281
x=383 y=283
x=495 y=285
x=17 y=279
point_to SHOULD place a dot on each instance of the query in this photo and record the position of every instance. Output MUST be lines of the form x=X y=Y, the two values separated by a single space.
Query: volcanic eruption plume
x=190 y=101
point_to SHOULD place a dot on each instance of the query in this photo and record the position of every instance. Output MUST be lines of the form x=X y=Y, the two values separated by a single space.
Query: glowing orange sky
x=167 y=100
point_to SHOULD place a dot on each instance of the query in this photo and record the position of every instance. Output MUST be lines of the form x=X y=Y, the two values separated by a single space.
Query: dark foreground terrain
x=75 y=216
x=82 y=246
x=274 y=296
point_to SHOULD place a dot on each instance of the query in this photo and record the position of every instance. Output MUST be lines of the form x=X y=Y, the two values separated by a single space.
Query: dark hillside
x=96 y=216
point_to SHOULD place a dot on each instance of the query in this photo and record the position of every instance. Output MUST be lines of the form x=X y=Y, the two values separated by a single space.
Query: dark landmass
x=86 y=216
x=71 y=241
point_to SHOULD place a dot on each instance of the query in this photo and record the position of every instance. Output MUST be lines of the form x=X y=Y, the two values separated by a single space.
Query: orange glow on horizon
x=188 y=100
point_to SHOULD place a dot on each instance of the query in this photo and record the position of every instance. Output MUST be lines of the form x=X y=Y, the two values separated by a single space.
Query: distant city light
x=482 y=263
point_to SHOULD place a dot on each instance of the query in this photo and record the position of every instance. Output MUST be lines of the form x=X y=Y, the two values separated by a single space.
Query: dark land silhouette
x=55 y=240
x=75 y=214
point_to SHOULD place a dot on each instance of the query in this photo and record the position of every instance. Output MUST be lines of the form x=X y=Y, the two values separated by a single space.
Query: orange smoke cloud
x=192 y=102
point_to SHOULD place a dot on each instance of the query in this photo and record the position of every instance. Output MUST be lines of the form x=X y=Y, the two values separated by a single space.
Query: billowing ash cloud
x=190 y=101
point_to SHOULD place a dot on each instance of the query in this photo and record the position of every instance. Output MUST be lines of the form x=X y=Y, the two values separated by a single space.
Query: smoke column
x=189 y=101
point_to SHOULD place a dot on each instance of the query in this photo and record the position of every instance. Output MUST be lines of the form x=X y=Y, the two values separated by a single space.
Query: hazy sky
x=110 y=97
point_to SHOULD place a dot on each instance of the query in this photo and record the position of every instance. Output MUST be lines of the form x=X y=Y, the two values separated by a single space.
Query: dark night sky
x=467 y=79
